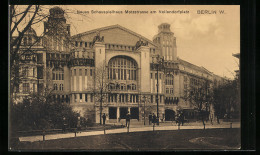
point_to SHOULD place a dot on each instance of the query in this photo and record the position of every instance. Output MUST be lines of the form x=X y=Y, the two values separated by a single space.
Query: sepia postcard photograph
x=124 y=77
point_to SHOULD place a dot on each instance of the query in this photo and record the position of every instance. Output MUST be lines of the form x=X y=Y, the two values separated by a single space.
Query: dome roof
x=56 y=11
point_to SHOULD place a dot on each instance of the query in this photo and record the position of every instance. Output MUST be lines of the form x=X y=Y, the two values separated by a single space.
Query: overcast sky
x=204 y=40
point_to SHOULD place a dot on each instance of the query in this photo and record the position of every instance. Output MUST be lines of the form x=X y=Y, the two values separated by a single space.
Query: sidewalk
x=133 y=128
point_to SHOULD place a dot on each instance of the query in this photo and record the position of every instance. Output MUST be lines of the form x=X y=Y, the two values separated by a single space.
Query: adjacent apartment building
x=130 y=69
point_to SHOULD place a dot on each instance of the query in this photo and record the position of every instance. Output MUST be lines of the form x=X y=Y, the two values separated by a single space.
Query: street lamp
x=159 y=63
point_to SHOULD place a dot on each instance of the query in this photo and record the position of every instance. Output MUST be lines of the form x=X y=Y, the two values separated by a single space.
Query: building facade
x=110 y=70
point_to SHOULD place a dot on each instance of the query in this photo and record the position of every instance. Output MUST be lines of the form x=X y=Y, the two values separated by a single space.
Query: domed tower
x=56 y=31
x=56 y=40
x=167 y=42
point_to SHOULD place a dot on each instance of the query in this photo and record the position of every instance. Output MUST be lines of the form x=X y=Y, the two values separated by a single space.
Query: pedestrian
x=78 y=123
x=64 y=124
x=150 y=118
x=104 y=118
x=128 y=117
x=154 y=119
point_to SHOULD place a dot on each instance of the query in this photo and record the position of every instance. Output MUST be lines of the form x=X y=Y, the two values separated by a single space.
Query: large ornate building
x=134 y=70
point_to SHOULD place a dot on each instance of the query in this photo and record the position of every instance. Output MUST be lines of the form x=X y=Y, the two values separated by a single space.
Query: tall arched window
x=169 y=79
x=122 y=68
x=57 y=74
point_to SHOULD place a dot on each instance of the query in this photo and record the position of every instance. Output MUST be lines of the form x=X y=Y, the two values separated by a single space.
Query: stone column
x=83 y=97
x=117 y=113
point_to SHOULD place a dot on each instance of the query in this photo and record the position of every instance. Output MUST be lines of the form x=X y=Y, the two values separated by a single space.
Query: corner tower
x=167 y=42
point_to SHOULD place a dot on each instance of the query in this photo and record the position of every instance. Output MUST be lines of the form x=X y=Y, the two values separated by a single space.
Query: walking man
x=153 y=119
x=64 y=124
x=150 y=118
x=128 y=117
x=104 y=118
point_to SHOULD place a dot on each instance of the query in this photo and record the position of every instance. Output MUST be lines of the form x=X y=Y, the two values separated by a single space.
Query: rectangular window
x=39 y=58
x=40 y=72
x=86 y=72
x=90 y=72
x=74 y=72
x=80 y=96
x=155 y=76
x=167 y=90
x=62 y=76
x=151 y=75
x=26 y=87
x=151 y=98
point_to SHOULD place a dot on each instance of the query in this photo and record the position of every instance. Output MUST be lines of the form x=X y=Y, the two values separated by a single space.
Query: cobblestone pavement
x=134 y=127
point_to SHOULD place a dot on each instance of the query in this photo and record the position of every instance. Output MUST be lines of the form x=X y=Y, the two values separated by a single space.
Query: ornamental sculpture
x=140 y=43
x=98 y=38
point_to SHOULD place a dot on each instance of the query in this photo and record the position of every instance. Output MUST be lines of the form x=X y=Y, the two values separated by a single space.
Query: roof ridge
x=201 y=67
x=115 y=26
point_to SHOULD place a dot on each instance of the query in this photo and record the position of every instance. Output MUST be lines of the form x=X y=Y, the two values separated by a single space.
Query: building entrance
x=123 y=112
x=169 y=115
x=112 y=113
x=134 y=113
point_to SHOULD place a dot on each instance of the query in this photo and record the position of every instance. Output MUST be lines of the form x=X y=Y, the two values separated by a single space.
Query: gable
x=113 y=35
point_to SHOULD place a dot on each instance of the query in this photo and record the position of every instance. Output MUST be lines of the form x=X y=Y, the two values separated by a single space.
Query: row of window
x=123 y=98
x=80 y=72
x=27 y=41
x=195 y=82
x=83 y=54
x=121 y=74
x=169 y=79
x=171 y=100
x=60 y=88
x=122 y=68
x=154 y=99
x=155 y=75
x=122 y=86
x=28 y=72
x=61 y=98
x=57 y=43
x=57 y=56
x=80 y=99
x=80 y=44
x=169 y=90
x=57 y=74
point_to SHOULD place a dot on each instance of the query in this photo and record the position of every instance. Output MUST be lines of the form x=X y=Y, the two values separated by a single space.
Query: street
x=149 y=140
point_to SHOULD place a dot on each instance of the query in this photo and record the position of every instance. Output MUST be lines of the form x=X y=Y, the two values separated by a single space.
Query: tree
x=199 y=97
x=101 y=88
x=225 y=99
x=40 y=111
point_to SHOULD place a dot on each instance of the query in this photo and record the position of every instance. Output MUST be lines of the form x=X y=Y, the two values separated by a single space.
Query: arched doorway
x=169 y=115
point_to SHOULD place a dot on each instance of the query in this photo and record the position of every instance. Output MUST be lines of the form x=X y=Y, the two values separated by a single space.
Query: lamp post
x=159 y=62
